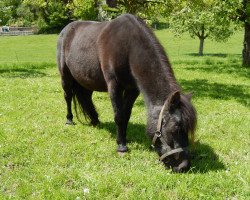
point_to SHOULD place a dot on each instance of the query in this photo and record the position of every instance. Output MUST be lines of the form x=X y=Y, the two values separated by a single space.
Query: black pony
x=124 y=58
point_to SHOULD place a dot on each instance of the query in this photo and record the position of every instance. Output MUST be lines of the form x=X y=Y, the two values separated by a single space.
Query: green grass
x=41 y=158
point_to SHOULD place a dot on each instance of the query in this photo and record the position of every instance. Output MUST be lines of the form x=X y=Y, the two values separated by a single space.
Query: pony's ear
x=189 y=95
x=174 y=100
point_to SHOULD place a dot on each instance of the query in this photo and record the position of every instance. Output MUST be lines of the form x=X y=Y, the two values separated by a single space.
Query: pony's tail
x=83 y=105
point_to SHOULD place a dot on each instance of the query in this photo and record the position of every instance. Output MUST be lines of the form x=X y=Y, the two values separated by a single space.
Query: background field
x=41 y=158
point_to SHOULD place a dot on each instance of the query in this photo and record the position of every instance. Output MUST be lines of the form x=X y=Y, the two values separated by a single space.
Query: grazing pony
x=124 y=57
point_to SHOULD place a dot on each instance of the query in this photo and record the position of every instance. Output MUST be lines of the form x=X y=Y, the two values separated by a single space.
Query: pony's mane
x=188 y=116
x=159 y=52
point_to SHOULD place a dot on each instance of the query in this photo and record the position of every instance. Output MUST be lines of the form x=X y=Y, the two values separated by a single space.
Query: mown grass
x=41 y=158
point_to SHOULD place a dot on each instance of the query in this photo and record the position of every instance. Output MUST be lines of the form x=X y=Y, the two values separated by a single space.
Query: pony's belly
x=85 y=69
x=89 y=77
x=92 y=84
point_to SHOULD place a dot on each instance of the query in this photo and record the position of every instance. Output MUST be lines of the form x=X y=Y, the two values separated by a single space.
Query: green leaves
x=8 y=10
x=85 y=10
x=50 y=15
x=146 y=9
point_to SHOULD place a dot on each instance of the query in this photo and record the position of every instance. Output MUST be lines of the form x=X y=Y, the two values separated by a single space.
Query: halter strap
x=173 y=151
x=158 y=134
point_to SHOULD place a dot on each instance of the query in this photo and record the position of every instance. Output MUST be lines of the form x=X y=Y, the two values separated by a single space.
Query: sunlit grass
x=41 y=158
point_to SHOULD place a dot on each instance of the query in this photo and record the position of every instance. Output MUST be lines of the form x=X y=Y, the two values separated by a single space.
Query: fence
x=17 y=30
x=17 y=33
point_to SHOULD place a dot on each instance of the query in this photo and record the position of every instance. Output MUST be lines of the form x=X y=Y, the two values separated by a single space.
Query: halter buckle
x=158 y=134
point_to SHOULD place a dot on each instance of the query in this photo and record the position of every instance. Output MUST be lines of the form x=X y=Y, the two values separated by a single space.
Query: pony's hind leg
x=68 y=98
x=66 y=80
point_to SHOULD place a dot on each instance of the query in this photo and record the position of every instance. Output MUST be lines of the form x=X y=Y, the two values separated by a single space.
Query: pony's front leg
x=116 y=96
x=129 y=98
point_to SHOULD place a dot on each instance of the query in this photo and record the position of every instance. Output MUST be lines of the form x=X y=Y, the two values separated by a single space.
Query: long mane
x=188 y=116
x=160 y=52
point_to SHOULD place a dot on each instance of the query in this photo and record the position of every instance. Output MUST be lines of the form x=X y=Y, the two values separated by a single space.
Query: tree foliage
x=87 y=9
x=8 y=10
x=5 y=13
x=55 y=14
x=50 y=14
x=152 y=10
x=139 y=6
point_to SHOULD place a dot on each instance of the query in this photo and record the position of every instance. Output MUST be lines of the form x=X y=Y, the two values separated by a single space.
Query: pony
x=124 y=58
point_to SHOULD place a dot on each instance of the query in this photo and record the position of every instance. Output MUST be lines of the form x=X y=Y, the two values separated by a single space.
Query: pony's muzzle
x=180 y=162
x=184 y=166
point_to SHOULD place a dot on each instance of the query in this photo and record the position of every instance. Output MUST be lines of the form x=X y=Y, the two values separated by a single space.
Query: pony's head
x=176 y=121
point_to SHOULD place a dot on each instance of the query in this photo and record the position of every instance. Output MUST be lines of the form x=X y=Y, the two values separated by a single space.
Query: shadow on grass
x=202 y=88
x=233 y=68
x=21 y=73
x=204 y=158
x=220 y=55
x=135 y=133
x=24 y=70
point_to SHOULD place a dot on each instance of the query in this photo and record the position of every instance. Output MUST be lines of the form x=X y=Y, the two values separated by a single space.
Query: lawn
x=41 y=158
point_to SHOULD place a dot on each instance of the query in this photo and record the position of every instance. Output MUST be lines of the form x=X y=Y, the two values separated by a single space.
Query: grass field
x=41 y=158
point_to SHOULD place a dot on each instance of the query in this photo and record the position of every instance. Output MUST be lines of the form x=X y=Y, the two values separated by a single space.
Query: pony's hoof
x=70 y=122
x=95 y=122
x=122 y=148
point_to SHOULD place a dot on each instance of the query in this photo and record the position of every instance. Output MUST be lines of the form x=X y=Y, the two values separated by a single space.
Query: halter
x=158 y=135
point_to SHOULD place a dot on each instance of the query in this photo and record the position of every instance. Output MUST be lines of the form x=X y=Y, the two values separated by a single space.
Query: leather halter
x=158 y=135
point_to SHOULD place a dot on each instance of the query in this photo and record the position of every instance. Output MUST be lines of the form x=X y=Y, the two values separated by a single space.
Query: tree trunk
x=246 y=43
x=201 y=35
x=201 y=46
x=246 y=46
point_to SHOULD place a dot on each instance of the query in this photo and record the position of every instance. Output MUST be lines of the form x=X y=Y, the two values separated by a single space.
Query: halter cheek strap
x=158 y=135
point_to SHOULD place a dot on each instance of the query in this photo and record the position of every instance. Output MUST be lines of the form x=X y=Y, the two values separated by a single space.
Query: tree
x=245 y=17
x=204 y=19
